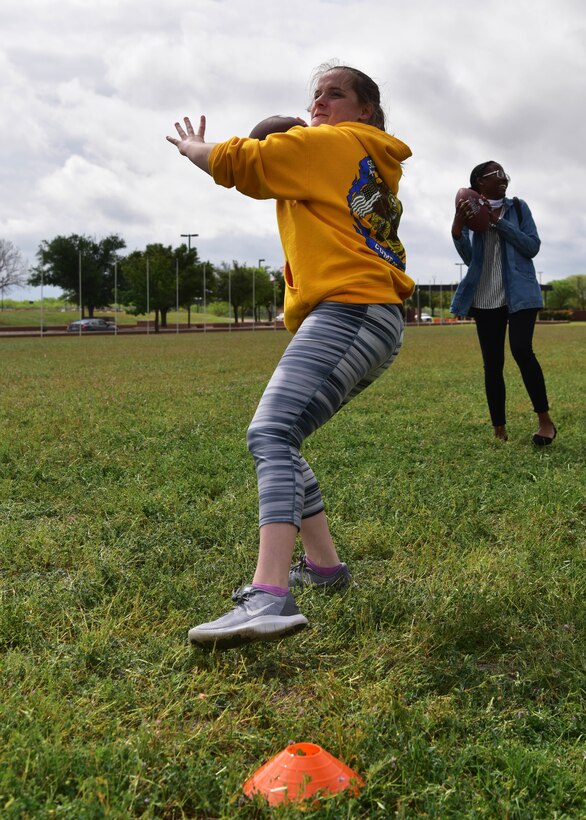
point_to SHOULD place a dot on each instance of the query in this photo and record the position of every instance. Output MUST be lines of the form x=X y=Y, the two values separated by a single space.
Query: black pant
x=491 y=326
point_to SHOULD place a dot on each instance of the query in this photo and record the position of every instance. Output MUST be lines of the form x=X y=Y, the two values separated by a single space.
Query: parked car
x=83 y=325
x=425 y=317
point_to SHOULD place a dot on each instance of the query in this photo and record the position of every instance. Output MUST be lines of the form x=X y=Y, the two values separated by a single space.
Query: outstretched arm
x=192 y=145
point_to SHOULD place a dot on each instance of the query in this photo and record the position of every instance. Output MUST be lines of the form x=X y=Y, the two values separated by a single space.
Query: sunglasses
x=498 y=174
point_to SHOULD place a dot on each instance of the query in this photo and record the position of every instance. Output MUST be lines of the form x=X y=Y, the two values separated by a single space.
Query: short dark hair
x=364 y=87
x=479 y=172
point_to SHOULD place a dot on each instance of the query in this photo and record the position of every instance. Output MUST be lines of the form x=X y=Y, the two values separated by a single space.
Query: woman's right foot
x=257 y=616
x=500 y=432
x=542 y=440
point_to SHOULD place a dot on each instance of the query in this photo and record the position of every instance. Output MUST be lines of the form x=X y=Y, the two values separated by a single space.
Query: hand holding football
x=476 y=212
x=274 y=125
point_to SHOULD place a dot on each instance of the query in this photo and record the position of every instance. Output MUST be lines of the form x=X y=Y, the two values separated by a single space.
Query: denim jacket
x=520 y=243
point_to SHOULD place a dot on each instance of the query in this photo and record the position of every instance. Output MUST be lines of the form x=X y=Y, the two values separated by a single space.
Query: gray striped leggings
x=338 y=351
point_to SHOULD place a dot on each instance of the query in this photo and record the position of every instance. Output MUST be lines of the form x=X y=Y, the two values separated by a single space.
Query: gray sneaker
x=257 y=616
x=300 y=575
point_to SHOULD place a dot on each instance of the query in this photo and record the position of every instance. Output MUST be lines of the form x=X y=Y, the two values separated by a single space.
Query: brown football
x=479 y=219
x=273 y=125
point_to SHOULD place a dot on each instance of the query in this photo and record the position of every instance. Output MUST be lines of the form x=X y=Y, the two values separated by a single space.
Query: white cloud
x=91 y=87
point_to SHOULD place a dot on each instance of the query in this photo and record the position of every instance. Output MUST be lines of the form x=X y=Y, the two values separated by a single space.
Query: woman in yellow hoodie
x=335 y=184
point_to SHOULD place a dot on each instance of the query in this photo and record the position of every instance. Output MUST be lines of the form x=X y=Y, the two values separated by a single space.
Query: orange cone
x=298 y=772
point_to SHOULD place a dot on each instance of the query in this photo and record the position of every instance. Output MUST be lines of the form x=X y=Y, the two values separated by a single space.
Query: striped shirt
x=490 y=292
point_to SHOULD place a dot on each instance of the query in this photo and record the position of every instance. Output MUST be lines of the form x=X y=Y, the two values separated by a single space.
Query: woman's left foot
x=301 y=575
x=541 y=440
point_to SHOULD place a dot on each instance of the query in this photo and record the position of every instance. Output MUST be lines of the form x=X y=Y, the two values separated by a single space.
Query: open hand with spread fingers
x=192 y=144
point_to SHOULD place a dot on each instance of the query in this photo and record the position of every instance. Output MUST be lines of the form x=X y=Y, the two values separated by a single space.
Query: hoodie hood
x=386 y=151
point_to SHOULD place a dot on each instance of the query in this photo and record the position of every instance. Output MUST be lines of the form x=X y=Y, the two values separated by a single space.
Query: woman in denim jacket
x=500 y=289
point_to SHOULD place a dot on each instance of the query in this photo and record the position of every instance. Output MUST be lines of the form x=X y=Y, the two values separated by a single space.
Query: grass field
x=452 y=679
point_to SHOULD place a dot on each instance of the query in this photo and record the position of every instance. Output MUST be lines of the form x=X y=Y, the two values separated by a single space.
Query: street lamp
x=460 y=265
x=189 y=235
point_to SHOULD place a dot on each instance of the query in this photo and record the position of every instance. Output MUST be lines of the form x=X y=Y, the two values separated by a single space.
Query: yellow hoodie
x=337 y=210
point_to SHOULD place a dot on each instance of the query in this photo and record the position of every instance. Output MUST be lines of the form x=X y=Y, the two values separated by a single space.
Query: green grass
x=451 y=679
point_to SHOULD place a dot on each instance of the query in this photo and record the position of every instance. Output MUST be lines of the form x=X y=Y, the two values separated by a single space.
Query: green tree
x=66 y=260
x=192 y=274
x=150 y=282
x=579 y=283
x=205 y=274
x=568 y=293
x=562 y=295
x=269 y=291
x=280 y=277
x=279 y=287
x=235 y=287
x=174 y=277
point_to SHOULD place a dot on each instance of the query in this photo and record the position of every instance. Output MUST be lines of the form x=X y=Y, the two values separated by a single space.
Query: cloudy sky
x=90 y=88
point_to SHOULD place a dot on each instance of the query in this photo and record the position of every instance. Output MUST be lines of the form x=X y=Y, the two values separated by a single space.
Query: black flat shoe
x=543 y=441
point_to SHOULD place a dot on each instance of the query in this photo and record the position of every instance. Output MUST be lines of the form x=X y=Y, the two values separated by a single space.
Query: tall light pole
x=205 y=304
x=116 y=297
x=460 y=265
x=430 y=298
x=80 y=294
x=148 y=296
x=188 y=237
x=260 y=261
x=230 y=299
x=177 y=295
x=42 y=302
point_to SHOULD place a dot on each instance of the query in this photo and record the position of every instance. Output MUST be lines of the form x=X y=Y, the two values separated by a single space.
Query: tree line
x=94 y=274
x=160 y=278
x=566 y=294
